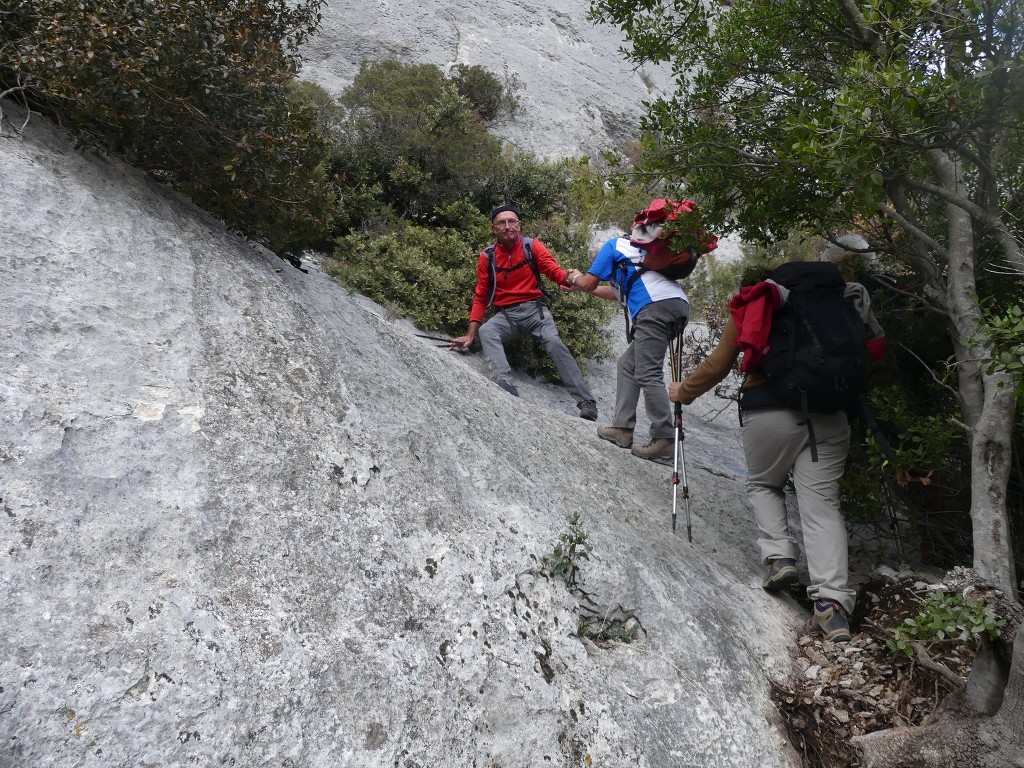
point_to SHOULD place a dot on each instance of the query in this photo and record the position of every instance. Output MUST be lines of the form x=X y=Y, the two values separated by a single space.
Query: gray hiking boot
x=509 y=387
x=588 y=410
x=781 y=574
x=621 y=437
x=659 y=449
x=828 y=621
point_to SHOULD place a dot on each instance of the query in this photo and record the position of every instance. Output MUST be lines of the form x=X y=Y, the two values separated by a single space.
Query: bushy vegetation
x=200 y=93
x=408 y=140
x=397 y=173
x=492 y=97
x=948 y=618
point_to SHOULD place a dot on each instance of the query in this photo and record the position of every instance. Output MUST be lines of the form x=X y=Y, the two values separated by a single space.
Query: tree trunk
x=1006 y=724
x=988 y=399
x=958 y=737
x=991 y=458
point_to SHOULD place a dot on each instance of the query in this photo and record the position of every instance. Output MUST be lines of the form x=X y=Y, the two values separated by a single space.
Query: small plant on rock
x=946 y=618
x=572 y=549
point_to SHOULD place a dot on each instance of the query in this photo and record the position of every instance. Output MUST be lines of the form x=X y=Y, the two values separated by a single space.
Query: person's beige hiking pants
x=776 y=441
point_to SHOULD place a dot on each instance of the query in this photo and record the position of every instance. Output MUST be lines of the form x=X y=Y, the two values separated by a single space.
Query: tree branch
x=9 y=92
x=865 y=35
x=992 y=222
x=937 y=667
x=913 y=229
x=936 y=379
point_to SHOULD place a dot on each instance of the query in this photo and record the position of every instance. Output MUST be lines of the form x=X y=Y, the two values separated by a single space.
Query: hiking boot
x=588 y=410
x=621 y=437
x=509 y=387
x=659 y=449
x=829 y=622
x=781 y=574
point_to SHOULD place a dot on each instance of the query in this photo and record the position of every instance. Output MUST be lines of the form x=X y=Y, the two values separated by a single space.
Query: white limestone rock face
x=248 y=519
x=580 y=96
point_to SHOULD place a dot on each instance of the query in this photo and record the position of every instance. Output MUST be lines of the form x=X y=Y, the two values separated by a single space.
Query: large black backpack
x=816 y=359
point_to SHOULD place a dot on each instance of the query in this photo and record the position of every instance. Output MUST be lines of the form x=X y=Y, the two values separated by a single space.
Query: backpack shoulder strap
x=493 y=272
x=620 y=265
x=528 y=250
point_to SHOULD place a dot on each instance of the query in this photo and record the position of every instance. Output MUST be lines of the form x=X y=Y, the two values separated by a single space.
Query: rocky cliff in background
x=248 y=519
x=580 y=97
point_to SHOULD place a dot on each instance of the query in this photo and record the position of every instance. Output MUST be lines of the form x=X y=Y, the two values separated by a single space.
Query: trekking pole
x=680 y=463
x=679 y=455
x=447 y=342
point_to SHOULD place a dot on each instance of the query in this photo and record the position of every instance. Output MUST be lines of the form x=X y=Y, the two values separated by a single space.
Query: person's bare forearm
x=588 y=283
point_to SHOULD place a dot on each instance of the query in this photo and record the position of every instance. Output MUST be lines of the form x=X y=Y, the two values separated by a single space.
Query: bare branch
x=913 y=229
x=937 y=667
x=17 y=89
x=889 y=287
x=1011 y=248
x=931 y=373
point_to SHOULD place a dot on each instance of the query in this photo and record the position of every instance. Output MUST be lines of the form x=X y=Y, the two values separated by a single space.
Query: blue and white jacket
x=617 y=261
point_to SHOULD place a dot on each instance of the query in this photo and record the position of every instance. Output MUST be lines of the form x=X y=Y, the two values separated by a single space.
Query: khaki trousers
x=776 y=442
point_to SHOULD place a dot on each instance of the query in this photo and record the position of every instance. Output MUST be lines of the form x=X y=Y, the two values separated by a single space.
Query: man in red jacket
x=511 y=283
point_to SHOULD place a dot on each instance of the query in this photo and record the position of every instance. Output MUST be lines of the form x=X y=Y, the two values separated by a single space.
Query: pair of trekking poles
x=679 y=456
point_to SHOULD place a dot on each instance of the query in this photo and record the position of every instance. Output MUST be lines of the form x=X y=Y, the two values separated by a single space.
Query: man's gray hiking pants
x=641 y=367
x=509 y=323
x=775 y=441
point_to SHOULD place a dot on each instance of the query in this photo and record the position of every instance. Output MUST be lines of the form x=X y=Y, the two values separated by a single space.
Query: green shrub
x=198 y=92
x=417 y=272
x=572 y=549
x=406 y=131
x=491 y=97
x=946 y=618
x=428 y=274
x=540 y=188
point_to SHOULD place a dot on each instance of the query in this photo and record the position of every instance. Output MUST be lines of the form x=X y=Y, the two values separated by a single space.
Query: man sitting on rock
x=508 y=278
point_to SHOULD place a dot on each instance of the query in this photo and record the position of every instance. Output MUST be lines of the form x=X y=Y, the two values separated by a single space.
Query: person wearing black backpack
x=807 y=336
x=508 y=278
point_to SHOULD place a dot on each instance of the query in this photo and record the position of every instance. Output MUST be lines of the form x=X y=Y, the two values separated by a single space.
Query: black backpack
x=816 y=359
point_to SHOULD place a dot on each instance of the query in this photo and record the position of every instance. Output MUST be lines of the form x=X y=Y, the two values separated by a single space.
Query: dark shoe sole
x=783 y=580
